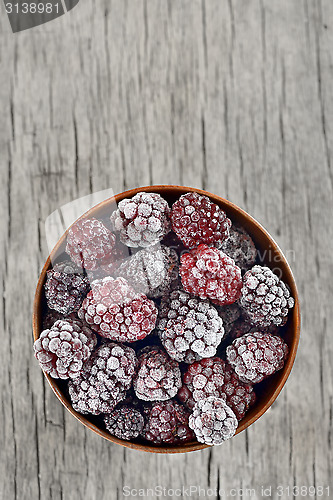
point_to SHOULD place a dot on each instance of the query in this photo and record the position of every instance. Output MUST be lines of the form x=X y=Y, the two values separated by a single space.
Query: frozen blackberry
x=243 y=325
x=195 y=219
x=265 y=298
x=117 y=312
x=189 y=328
x=255 y=356
x=52 y=316
x=166 y=422
x=142 y=220
x=172 y=241
x=202 y=379
x=215 y=377
x=62 y=349
x=229 y=314
x=210 y=274
x=104 y=379
x=213 y=421
x=90 y=243
x=158 y=377
x=240 y=247
x=124 y=422
x=151 y=271
x=65 y=291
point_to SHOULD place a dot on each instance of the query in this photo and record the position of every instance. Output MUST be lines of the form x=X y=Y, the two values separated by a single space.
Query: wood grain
x=234 y=97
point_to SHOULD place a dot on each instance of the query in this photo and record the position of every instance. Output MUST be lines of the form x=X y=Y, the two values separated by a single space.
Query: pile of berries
x=163 y=320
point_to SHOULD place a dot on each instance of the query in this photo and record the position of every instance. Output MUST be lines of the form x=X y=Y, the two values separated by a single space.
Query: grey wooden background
x=229 y=95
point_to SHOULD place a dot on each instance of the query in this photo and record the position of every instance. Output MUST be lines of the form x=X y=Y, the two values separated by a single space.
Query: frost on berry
x=215 y=377
x=166 y=422
x=90 y=243
x=142 y=220
x=240 y=247
x=257 y=355
x=117 y=312
x=62 y=349
x=213 y=421
x=195 y=219
x=151 y=271
x=265 y=298
x=104 y=379
x=65 y=291
x=210 y=274
x=189 y=328
x=125 y=422
x=158 y=377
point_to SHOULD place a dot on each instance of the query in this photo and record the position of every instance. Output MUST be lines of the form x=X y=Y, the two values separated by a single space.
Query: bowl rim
x=162 y=189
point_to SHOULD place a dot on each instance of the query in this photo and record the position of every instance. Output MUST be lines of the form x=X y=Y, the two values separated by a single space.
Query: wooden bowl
x=267 y=391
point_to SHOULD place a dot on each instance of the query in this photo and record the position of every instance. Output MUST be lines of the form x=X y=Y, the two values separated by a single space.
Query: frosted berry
x=151 y=271
x=213 y=421
x=255 y=356
x=62 y=349
x=265 y=298
x=158 y=377
x=211 y=274
x=166 y=422
x=142 y=220
x=124 y=422
x=202 y=379
x=189 y=328
x=65 y=291
x=104 y=379
x=90 y=243
x=240 y=247
x=117 y=312
x=195 y=219
x=215 y=377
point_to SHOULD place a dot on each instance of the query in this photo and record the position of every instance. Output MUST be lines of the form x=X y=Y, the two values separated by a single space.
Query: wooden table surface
x=232 y=96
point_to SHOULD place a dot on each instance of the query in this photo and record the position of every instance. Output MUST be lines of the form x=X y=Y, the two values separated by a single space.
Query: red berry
x=117 y=312
x=215 y=377
x=257 y=355
x=158 y=377
x=62 y=349
x=142 y=220
x=213 y=421
x=90 y=243
x=211 y=274
x=195 y=219
x=166 y=422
